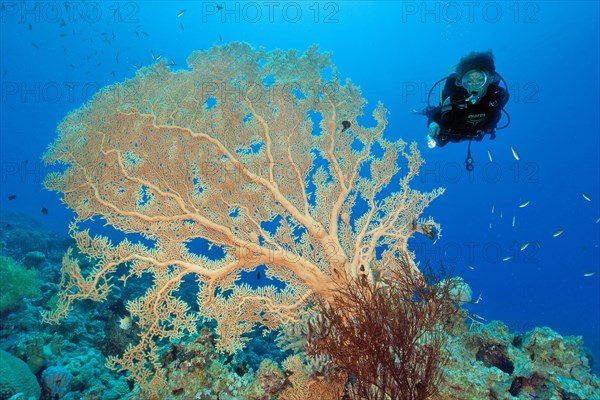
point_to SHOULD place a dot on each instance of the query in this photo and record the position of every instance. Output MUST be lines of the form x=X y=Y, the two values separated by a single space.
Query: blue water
x=546 y=51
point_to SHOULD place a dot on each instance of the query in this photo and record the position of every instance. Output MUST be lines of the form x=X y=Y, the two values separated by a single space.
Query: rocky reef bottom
x=488 y=362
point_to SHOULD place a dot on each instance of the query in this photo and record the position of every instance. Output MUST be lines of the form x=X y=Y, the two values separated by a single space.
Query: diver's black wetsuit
x=460 y=120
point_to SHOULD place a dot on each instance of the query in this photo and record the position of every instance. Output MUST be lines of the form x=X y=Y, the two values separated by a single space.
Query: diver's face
x=475 y=81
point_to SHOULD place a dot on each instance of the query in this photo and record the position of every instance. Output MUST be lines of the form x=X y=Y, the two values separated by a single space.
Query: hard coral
x=56 y=382
x=15 y=377
x=269 y=381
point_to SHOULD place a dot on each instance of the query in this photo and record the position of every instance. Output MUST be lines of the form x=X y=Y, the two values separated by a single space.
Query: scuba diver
x=471 y=106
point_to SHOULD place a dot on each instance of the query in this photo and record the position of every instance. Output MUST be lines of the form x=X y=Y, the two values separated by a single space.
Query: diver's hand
x=431 y=143
x=434 y=129
x=427 y=111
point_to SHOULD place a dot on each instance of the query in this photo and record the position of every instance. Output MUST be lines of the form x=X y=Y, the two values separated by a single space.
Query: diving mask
x=474 y=80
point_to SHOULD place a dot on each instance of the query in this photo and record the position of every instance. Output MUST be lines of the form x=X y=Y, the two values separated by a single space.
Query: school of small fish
x=93 y=63
x=524 y=204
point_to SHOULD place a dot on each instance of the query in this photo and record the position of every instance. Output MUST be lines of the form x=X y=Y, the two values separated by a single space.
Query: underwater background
x=56 y=55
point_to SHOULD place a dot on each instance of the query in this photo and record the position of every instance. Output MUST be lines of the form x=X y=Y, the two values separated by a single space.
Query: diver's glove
x=431 y=143
x=434 y=129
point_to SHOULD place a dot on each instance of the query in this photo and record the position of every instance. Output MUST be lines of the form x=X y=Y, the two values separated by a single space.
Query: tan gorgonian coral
x=244 y=151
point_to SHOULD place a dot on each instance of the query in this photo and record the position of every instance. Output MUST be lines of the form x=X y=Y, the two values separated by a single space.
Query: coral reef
x=38 y=348
x=270 y=380
x=21 y=234
x=34 y=259
x=488 y=362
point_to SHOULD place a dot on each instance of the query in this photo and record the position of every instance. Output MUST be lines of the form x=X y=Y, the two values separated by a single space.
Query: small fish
x=155 y=57
x=219 y=7
x=117 y=58
x=479 y=317
x=181 y=25
x=524 y=246
x=558 y=233
x=490 y=156
x=181 y=13
x=515 y=154
x=490 y=225
x=146 y=33
x=137 y=33
x=524 y=204
x=35 y=45
x=125 y=323
x=533 y=396
x=44 y=211
x=220 y=38
x=598 y=220
x=507 y=258
x=346 y=125
x=30 y=27
x=12 y=197
x=63 y=34
x=586 y=196
x=587 y=274
x=514 y=221
x=493 y=209
x=471 y=266
x=258 y=275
